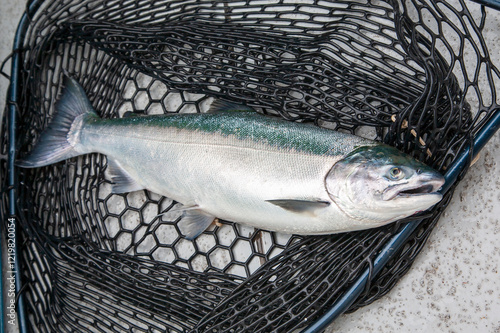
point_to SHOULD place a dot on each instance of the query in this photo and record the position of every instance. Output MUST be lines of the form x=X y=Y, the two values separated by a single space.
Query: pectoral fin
x=194 y=222
x=300 y=206
x=121 y=180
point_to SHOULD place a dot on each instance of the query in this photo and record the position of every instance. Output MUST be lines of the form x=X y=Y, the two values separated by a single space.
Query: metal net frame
x=92 y=261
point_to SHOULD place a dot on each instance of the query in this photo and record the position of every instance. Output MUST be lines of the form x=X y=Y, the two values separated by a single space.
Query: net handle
x=495 y=4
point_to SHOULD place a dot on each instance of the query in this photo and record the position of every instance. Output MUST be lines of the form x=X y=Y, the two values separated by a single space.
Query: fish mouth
x=424 y=189
x=427 y=187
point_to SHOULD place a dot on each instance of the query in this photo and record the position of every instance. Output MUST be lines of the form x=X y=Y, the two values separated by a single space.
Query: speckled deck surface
x=454 y=285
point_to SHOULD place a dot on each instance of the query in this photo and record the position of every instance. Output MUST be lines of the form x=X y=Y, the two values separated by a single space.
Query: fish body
x=244 y=167
x=228 y=164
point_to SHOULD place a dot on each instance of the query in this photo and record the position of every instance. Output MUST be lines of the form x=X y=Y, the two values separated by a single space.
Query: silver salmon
x=235 y=164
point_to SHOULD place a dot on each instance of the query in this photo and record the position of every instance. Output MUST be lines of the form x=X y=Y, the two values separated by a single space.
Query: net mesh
x=416 y=74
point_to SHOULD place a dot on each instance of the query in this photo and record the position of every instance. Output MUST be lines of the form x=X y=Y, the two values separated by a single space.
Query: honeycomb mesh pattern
x=415 y=74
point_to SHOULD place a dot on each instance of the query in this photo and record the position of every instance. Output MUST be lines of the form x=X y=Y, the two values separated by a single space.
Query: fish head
x=379 y=184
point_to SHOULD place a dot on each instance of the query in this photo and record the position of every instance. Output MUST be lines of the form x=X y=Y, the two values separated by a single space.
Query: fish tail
x=58 y=140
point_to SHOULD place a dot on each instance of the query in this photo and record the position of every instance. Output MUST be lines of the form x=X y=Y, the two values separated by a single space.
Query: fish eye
x=396 y=173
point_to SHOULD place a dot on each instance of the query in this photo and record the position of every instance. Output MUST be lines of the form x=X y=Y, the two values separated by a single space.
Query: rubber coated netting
x=416 y=74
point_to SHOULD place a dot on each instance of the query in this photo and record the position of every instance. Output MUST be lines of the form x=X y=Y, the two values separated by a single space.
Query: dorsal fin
x=130 y=114
x=220 y=105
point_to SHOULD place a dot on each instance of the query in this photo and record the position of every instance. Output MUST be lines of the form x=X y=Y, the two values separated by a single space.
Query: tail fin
x=54 y=145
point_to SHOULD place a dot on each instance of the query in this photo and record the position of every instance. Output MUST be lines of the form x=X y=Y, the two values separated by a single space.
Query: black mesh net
x=416 y=74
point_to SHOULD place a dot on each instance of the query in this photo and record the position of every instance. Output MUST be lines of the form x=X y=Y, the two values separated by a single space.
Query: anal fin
x=121 y=180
